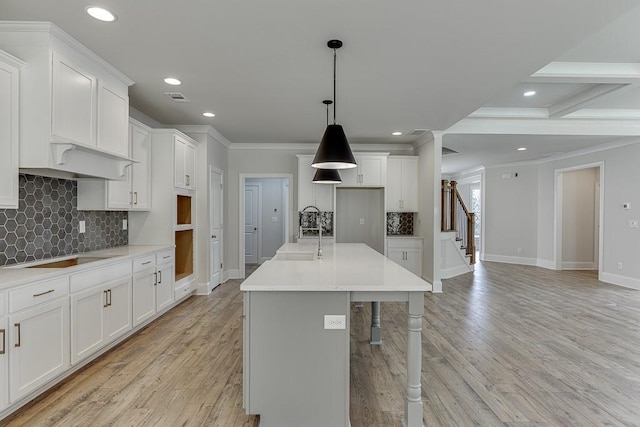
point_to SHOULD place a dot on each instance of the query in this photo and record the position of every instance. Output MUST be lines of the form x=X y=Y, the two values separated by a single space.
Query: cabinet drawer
x=144 y=263
x=99 y=275
x=165 y=257
x=182 y=291
x=38 y=293
x=2 y=302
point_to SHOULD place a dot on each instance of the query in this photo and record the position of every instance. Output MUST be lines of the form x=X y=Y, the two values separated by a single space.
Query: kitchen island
x=296 y=332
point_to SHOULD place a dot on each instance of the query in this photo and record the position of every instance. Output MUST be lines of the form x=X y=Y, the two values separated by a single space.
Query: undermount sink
x=69 y=262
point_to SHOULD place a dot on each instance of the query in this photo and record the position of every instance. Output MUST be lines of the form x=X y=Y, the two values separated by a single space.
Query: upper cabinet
x=310 y=194
x=371 y=171
x=74 y=106
x=9 y=131
x=131 y=194
x=401 y=192
x=185 y=163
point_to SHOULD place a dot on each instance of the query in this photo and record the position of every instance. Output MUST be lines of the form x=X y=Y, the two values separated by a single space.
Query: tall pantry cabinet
x=172 y=219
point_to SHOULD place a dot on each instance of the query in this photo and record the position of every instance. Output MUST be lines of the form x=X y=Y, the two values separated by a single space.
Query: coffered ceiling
x=264 y=68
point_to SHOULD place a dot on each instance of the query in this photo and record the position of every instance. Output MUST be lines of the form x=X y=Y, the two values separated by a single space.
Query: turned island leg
x=413 y=404
x=376 y=339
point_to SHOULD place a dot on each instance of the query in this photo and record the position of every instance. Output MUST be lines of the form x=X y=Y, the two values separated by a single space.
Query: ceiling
x=264 y=68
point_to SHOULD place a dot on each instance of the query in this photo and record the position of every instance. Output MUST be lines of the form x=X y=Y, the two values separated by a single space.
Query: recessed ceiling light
x=172 y=81
x=101 y=14
x=529 y=93
x=207 y=114
x=396 y=133
x=522 y=149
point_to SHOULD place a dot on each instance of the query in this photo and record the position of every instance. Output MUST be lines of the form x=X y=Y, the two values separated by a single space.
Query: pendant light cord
x=334 y=87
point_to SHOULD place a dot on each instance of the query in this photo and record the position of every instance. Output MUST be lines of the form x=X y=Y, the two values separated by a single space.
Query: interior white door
x=251 y=211
x=215 y=253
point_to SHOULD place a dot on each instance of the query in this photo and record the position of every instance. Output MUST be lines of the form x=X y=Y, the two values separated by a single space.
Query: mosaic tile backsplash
x=400 y=223
x=46 y=223
x=310 y=219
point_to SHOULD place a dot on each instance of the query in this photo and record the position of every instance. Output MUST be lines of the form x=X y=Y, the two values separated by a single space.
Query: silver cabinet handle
x=17 y=325
x=135 y=193
x=109 y=297
x=106 y=304
x=4 y=344
x=156 y=281
x=146 y=262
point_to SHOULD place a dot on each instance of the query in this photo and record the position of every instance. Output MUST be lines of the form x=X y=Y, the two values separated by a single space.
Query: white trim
x=234 y=274
x=206 y=129
x=312 y=146
x=265 y=259
x=204 y=288
x=614 y=279
x=11 y=60
x=545 y=263
x=511 y=259
x=436 y=287
x=455 y=271
x=578 y=265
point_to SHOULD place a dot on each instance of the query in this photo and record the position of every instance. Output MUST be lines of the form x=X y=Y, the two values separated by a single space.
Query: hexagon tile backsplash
x=46 y=223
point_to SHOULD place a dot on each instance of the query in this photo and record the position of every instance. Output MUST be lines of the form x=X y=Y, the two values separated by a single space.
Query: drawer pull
x=44 y=293
x=106 y=304
x=160 y=276
x=109 y=297
x=4 y=344
x=17 y=325
x=145 y=263
x=155 y=283
x=166 y=256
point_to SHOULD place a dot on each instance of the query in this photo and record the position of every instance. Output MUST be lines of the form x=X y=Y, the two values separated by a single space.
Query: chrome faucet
x=318 y=227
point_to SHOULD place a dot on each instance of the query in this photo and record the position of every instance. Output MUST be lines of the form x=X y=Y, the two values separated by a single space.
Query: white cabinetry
x=144 y=283
x=401 y=191
x=310 y=194
x=132 y=194
x=185 y=163
x=9 y=134
x=4 y=356
x=74 y=106
x=39 y=335
x=407 y=252
x=164 y=285
x=371 y=171
x=100 y=308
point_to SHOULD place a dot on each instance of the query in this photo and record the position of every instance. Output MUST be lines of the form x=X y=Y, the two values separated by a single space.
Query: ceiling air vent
x=177 y=96
x=418 y=132
x=446 y=151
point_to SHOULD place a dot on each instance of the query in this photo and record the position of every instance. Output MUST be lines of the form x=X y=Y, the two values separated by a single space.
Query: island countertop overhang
x=343 y=267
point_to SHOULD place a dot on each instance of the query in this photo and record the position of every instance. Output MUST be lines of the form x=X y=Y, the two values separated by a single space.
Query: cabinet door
x=372 y=170
x=39 y=341
x=73 y=102
x=190 y=165
x=4 y=364
x=8 y=136
x=324 y=196
x=393 y=189
x=113 y=120
x=119 y=194
x=117 y=313
x=141 y=172
x=413 y=261
x=87 y=322
x=350 y=177
x=164 y=288
x=180 y=174
x=396 y=255
x=306 y=190
x=144 y=296
x=409 y=185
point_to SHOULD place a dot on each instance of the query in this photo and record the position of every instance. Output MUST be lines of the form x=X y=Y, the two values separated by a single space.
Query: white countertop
x=18 y=274
x=344 y=267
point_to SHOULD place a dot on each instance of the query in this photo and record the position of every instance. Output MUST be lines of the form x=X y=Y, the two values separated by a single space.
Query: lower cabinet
x=144 y=295
x=152 y=285
x=164 y=287
x=99 y=315
x=39 y=346
x=407 y=252
x=4 y=363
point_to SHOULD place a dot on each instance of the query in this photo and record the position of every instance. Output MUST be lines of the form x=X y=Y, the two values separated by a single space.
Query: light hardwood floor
x=508 y=345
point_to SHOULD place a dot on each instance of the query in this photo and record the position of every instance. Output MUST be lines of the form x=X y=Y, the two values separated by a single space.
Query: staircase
x=458 y=253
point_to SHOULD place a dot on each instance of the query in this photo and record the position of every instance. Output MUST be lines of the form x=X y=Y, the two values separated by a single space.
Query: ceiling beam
x=496 y=126
x=587 y=72
x=578 y=101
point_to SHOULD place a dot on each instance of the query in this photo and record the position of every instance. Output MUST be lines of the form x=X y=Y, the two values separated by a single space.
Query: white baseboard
x=455 y=271
x=577 y=265
x=548 y=264
x=436 y=287
x=234 y=274
x=615 y=279
x=204 y=288
x=225 y=276
x=511 y=259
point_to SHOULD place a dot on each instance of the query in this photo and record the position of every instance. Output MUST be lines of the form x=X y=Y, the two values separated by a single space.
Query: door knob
x=213 y=236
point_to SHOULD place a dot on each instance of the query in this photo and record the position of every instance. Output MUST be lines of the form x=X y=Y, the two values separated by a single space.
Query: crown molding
x=207 y=129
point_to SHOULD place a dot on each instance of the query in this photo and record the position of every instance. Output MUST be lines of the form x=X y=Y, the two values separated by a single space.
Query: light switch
x=81 y=226
x=124 y=224
x=626 y=205
x=274 y=219
x=335 y=321
x=361 y=221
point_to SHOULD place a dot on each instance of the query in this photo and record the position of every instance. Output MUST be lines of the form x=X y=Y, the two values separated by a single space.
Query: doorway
x=215 y=227
x=265 y=201
x=578 y=218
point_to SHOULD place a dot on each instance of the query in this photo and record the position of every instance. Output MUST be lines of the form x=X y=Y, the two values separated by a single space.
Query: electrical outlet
x=633 y=223
x=519 y=250
x=626 y=205
x=81 y=227
x=619 y=266
x=361 y=221
x=124 y=224
x=335 y=321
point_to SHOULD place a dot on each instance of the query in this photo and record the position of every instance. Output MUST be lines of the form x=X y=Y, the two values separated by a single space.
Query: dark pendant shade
x=334 y=151
x=327 y=176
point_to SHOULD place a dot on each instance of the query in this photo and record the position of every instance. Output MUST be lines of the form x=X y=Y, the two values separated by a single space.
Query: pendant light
x=327 y=176
x=334 y=151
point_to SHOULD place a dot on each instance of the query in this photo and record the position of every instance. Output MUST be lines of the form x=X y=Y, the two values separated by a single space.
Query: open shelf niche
x=183 y=237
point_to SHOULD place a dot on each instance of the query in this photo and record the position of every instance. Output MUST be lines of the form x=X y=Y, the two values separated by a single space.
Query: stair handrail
x=466 y=230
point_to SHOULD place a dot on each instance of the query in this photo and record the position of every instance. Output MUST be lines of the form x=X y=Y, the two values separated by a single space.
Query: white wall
x=272 y=207
x=620 y=243
x=578 y=218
